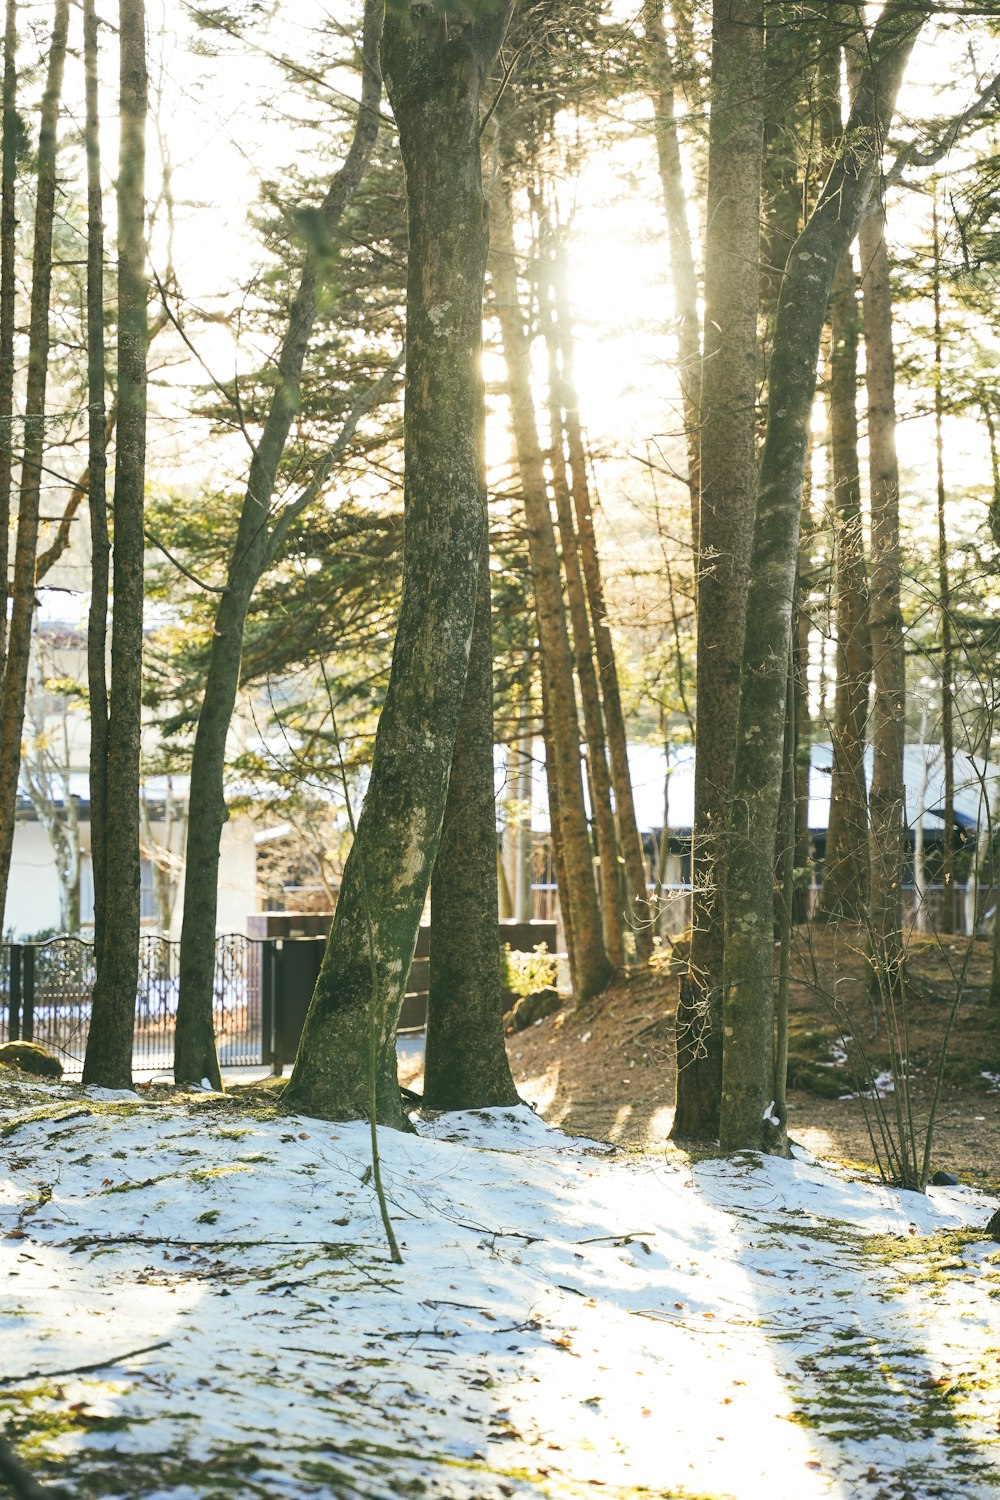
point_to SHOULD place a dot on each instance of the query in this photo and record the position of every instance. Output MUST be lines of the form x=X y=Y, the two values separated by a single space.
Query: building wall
x=33 y=895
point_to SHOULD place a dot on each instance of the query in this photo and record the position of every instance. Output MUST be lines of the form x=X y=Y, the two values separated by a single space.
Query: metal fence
x=46 y=995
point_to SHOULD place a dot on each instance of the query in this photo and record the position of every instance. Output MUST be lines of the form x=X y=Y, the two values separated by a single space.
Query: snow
x=568 y=1320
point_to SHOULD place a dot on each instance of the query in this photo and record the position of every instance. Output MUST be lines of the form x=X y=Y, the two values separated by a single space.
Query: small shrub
x=527 y=973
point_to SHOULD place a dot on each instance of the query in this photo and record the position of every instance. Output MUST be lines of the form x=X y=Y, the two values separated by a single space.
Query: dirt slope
x=608 y=1070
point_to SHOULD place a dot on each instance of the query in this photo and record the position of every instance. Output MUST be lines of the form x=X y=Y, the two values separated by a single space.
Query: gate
x=46 y=995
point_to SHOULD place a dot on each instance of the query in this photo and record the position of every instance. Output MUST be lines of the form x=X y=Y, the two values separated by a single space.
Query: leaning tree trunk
x=887 y=800
x=15 y=680
x=435 y=70
x=747 y=1117
x=604 y=646
x=728 y=486
x=590 y=967
x=466 y=1065
x=100 y=547
x=109 y=1043
x=583 y=652
x=195 y=1054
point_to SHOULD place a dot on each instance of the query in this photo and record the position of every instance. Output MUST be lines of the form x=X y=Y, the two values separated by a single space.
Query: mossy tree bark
x=109 y=1043
x=22 y=611
x=435 y=68
x=258 y=534
x=748 y=1061
x=728 y=487
x=465 y=1065
x=589 y=964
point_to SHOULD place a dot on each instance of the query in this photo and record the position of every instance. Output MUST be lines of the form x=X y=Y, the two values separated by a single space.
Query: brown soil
x=607 y=1070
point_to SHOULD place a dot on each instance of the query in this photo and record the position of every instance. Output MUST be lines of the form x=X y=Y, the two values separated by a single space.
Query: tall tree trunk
x=435 y=70
x=845 y=869
x=97 y=436
x=109 y=1043
x=591 y=968
x=887 y=800
x=944 y=605
x=728 y=480
x=523 y=848
x=194 y=1049
x=660 y=79
x=583 y=648
x=15 y=680
x=465 y=1065
x=748 y=1063
x=607 y=665
x=8 y=302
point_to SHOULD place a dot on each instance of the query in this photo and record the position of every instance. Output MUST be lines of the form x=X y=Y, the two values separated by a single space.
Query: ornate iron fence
x=46 y=994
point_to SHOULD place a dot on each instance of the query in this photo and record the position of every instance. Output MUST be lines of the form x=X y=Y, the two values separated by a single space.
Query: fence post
x=268 y=960
x=14 y=999
x=28 y=996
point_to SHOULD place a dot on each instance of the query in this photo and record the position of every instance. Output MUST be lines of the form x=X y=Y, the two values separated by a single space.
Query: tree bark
x=887 y=800
x=660 y=77
x=607 y=665
x=728 y=480
x=845 y=868
x=15 y=680
x=97 y=436
x=583 y=648
x=8 y=303
x=194 y=1049
x=108 y=1059
x=944 y=605
x=590 y=966
x=465 y=1065
x=748 y=1065
x=435 y=69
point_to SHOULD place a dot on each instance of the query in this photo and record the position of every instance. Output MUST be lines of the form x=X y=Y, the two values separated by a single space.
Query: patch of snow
x=565 y=1316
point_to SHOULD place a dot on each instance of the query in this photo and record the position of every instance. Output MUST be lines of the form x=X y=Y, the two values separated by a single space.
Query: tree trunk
x=8 y=303
x=748 y=1065
x=660 y=76
x=466 y=1065
x=944 y=605
x=887 y=800
x=591 y=968
x=435 y=70
x=728 y=479
x=97 y=436
x=109 y=1043
x=15 y=680
x=522 y=850
x=845 y=869
x=607 y=666
x=583 y=650
x=194 y=1049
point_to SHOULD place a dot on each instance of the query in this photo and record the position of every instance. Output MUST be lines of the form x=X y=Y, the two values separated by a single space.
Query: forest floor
x=198 y=1304
x=608 y=1070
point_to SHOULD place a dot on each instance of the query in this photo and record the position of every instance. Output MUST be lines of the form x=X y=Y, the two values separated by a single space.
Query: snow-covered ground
x=568 y=1321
